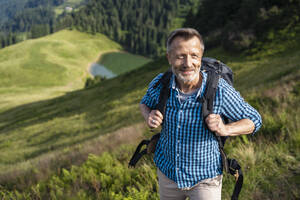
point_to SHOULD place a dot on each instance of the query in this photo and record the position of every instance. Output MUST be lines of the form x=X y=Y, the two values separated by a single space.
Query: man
x=187 y=154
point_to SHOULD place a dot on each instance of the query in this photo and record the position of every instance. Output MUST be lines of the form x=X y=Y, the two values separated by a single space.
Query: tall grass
x=271 y=159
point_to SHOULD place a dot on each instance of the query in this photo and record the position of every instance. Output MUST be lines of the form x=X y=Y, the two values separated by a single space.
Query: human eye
x=195 y=56
x=180 y=56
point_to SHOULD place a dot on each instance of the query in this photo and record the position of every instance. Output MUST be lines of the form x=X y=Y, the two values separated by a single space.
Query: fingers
x=154 y=124
x=158 y=114
x=213 y=122
x=155 y=119
x=212 y=118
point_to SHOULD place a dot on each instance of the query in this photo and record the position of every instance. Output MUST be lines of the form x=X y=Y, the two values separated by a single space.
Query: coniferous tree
x=237 y=24
x=129 y=22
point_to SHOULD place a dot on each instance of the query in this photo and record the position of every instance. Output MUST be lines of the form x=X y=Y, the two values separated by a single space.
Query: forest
x=140 y=26
x=22 y=20
x=238 y=25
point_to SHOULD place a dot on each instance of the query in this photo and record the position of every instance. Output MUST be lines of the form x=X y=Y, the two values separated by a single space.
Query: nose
x=188 y=61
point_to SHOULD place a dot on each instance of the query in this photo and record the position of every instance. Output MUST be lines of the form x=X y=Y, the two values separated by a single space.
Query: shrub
x=90 y=82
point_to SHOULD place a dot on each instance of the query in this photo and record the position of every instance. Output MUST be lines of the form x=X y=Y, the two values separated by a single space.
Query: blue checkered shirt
x=187 y=152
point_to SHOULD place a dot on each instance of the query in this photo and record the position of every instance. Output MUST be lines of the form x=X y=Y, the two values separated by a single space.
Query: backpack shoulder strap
x=208 y=105
x=229 y=165
x=165 y=91
x=210 y=93
x=164 y=79
x=161 y=106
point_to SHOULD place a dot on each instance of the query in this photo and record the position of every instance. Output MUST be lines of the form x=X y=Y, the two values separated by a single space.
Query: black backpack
x=215 y=70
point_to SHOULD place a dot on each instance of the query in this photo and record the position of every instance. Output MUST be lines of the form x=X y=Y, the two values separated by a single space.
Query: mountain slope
x=50 y=66
x=50 y=61
x=33 y=131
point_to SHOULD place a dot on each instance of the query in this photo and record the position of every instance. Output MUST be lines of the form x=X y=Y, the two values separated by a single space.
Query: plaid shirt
x=187 y=152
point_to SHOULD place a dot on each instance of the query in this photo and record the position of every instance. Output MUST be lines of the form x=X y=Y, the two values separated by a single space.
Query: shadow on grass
x=97 y=104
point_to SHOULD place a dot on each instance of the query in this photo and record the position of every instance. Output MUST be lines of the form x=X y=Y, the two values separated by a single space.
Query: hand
x=215 y=123
x=155 y=119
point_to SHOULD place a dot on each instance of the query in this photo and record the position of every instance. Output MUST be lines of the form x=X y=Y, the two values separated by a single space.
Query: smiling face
x=185 y=58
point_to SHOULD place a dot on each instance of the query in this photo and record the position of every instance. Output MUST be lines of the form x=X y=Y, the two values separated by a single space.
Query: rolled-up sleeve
x=151 y=97
x=235 y=108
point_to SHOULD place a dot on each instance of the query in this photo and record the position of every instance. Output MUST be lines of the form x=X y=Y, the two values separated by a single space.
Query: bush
x=90 y=82
x=100 y=177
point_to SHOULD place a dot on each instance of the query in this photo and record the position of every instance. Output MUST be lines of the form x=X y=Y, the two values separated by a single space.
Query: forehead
x=182 y=44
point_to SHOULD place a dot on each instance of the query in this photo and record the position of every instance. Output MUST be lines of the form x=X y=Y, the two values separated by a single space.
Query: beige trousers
x=208 y=189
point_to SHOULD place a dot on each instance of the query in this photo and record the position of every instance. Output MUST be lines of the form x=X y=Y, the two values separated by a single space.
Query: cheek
x=197 y=62
x=177 y=63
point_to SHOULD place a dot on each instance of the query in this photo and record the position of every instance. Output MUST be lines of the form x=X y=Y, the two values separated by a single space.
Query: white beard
x=187 y=79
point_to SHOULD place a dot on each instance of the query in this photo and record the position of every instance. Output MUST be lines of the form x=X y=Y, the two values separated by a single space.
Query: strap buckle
x=236 y=175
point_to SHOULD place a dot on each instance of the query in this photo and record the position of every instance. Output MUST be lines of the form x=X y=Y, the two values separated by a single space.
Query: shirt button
x=178 y=155
x=177 y=169
x=178 y=141
x=178 y=126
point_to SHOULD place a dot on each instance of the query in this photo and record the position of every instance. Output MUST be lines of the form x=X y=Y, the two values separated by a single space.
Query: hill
x=66 y=125
x=47 y=67
x=50 y=66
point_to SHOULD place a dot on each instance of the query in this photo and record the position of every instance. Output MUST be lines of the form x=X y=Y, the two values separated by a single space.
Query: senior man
x=187 y=154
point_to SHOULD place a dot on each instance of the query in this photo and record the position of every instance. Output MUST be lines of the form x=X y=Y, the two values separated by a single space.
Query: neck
x=189 y=87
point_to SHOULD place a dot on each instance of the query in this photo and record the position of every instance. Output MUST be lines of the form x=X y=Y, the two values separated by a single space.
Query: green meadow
x=47 y=67
x=121 y=62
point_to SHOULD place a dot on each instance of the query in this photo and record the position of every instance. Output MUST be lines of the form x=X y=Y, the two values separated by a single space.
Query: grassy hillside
x=50 y=66
x=54 y=60
x=30 y=133
x=50 y=125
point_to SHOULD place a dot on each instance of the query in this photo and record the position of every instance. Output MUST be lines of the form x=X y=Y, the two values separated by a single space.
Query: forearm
x=241 y=127
x=145 y=110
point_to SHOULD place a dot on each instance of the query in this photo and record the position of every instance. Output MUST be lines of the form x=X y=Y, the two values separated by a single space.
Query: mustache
x=189 y=69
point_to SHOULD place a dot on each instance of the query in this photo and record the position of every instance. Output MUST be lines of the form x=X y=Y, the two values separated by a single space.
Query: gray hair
x=186 y=33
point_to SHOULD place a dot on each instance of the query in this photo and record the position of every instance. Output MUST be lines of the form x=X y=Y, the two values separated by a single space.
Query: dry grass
x=33 y=171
